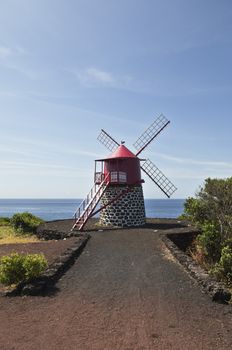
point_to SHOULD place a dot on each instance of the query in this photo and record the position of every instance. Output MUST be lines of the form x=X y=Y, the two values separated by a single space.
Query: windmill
x=118 y=183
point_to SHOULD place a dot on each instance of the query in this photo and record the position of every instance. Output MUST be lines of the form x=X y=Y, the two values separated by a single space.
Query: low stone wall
x=217 y=291
x=52 y=273
x=127 y=211
x=55 y=229
x=184 y=240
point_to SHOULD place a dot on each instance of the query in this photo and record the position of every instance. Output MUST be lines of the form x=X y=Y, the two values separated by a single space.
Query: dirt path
x=124 y=292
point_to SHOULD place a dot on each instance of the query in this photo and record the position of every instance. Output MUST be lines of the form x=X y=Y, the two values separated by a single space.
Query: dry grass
x=9 y=236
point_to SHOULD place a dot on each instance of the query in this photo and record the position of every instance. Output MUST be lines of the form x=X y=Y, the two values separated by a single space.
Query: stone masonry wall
x=126 y=211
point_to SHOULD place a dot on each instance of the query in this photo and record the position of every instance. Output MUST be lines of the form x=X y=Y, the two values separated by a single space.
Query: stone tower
x=122 y=202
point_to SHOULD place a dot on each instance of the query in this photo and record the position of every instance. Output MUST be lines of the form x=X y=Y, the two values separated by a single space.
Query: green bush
x=211 y=212
x=4 y=221
x=212 y=204
x=17 y=268
x=34 y=265
x=210 y=242
x=25 y=222
x=225 y=263
x=11 y=269
x=195 y=210
x=223 y=269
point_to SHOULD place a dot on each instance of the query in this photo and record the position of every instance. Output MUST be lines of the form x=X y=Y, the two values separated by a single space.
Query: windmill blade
x=148 y=136
x=107 y=140
x=158 y=178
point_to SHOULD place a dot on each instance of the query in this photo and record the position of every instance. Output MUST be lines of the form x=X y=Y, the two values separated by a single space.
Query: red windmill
x=118 y=183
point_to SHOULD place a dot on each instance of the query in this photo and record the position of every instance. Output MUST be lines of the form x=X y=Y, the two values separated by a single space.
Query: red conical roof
x=122 y=152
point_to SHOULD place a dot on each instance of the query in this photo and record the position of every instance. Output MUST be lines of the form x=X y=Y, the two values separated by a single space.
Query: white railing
x=98 y=177
x=115 y=177
x=89 y=203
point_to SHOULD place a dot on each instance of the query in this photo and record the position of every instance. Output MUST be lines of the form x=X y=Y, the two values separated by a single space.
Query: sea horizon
x=64 y=208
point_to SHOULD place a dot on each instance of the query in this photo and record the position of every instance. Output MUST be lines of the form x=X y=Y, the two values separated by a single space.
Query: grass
x=9 y=236
x=4 y=221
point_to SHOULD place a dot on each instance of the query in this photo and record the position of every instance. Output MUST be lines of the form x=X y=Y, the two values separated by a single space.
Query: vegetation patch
x=17 y=268
x=211 y=212
x=25 y=222
x=9 y=236
x=19 y=229
x=4 y=221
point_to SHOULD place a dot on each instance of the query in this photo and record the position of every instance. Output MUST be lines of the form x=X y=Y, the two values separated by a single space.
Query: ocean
x=55 y=209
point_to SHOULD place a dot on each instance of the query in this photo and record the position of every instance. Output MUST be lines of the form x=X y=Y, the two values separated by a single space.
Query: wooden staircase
x=87 y=206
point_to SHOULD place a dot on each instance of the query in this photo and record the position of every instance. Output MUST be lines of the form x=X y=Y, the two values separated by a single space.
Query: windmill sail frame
x=156 y=175
x=108 y=141
x=152 y=171
x=150 y=133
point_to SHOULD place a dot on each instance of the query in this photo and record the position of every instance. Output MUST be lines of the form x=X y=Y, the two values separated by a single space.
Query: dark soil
x=51 y=249
x=65 y=226
x=124 y=292
x=184 y=241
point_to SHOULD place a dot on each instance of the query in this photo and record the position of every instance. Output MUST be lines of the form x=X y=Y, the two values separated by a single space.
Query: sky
x=70 y=68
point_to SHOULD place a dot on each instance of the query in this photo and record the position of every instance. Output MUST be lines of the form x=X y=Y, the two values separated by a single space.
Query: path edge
x=53 y=273
x=216 y=290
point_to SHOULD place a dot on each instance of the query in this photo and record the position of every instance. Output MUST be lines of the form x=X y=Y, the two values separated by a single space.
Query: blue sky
x=70 y=68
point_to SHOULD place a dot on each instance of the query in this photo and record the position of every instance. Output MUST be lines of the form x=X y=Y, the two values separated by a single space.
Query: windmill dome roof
x=122 y=152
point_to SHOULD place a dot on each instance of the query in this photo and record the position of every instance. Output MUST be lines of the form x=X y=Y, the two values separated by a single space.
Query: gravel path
x=124 y=292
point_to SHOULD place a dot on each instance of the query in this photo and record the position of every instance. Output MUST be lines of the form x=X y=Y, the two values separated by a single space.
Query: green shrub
x=34 y=265
x=228 y=243
x=212 y=204
x=195 y=210
x=225 y=264
x=11 y=269
x=211 y=212
x=210 y=242
x=25 y=222
x=17 y=268
x=4 y=221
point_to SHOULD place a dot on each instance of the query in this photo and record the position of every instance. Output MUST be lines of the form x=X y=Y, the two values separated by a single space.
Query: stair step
x=87 y=206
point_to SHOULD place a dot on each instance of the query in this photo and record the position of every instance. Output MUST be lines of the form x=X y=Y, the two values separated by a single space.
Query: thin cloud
x=10 y=150
x=7 y=60
x=29 y=73
x=193 y=161
x=32 y=168
x=45 y=148
x=5 y=52
x=92 y=77
x=95 y=77
x=8 y=94
x=58 y=100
